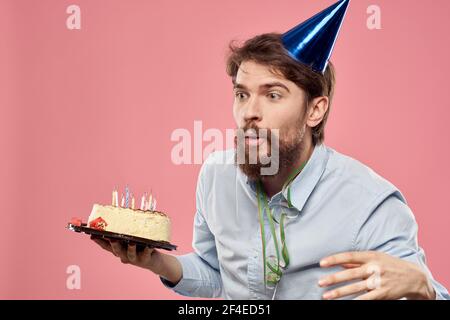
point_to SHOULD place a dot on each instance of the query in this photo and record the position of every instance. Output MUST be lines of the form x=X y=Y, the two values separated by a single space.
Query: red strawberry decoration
x=76 y=222
x=98 y=224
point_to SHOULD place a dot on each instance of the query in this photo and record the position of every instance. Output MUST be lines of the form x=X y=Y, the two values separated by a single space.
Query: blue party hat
x=312 y=41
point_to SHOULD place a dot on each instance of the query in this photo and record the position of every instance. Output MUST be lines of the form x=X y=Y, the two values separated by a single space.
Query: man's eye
x=240 y=95
x=274 y=96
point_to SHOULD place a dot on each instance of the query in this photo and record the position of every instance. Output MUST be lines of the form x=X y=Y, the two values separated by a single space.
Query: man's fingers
x=131 y=253
x=351 y=265
x=128 y=255
x=372 y=295
x=347 y=258
x=350 y=289
x=103 y=244
x=345 y=276
x=119 y=251
x=146 y=254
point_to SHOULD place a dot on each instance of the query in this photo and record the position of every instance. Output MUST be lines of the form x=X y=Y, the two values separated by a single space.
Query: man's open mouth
x=252 y=139
x=253 y=142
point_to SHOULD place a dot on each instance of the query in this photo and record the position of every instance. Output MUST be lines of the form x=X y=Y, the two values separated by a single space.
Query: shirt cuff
x=441 y=292
x=183 y=284
x=198 y=278
x=439 y=295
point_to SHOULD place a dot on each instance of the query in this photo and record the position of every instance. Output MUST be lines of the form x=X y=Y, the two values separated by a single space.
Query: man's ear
x=317 y=110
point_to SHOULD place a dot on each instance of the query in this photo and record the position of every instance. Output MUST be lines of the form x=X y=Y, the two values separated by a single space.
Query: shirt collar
x=303 y=185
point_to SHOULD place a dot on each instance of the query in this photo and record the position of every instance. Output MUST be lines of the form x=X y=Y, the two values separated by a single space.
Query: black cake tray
x=140 y=243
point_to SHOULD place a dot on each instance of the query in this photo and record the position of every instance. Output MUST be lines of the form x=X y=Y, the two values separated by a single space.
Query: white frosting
x=138 y=223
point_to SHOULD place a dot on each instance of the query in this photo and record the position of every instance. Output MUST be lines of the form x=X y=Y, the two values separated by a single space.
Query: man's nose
x=253 y=110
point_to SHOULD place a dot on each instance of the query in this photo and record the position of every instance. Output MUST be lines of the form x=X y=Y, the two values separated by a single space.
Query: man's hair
x=267 y=49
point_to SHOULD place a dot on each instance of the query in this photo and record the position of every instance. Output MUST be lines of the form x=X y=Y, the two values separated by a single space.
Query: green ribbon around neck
x=275 y=274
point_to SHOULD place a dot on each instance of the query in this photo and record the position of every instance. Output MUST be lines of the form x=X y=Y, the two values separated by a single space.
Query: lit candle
x=143 y=203
x=150 y=201
x=116 y=198
x=127 y=196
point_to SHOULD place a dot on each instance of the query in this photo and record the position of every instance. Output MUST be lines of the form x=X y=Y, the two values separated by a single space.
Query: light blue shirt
x=339 y=205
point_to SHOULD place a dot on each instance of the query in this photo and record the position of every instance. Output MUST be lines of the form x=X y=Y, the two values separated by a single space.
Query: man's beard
x=289 y=151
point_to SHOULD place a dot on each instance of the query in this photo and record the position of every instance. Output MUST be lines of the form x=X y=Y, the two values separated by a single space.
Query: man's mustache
x=253 y=131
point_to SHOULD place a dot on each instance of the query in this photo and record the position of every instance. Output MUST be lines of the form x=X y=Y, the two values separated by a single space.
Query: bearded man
x=282 y=215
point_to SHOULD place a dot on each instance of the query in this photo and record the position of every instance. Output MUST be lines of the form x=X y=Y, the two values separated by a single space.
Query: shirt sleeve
x=201 y=272
x=391 y=228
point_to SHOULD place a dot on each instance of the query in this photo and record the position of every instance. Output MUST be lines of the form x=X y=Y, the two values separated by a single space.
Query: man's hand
x=376 y=276
x=159 y=263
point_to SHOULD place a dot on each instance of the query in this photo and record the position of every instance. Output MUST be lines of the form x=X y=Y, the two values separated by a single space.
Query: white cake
x=153 y=225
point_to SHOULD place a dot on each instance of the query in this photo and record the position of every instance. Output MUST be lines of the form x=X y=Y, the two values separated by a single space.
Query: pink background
x=85 y=110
